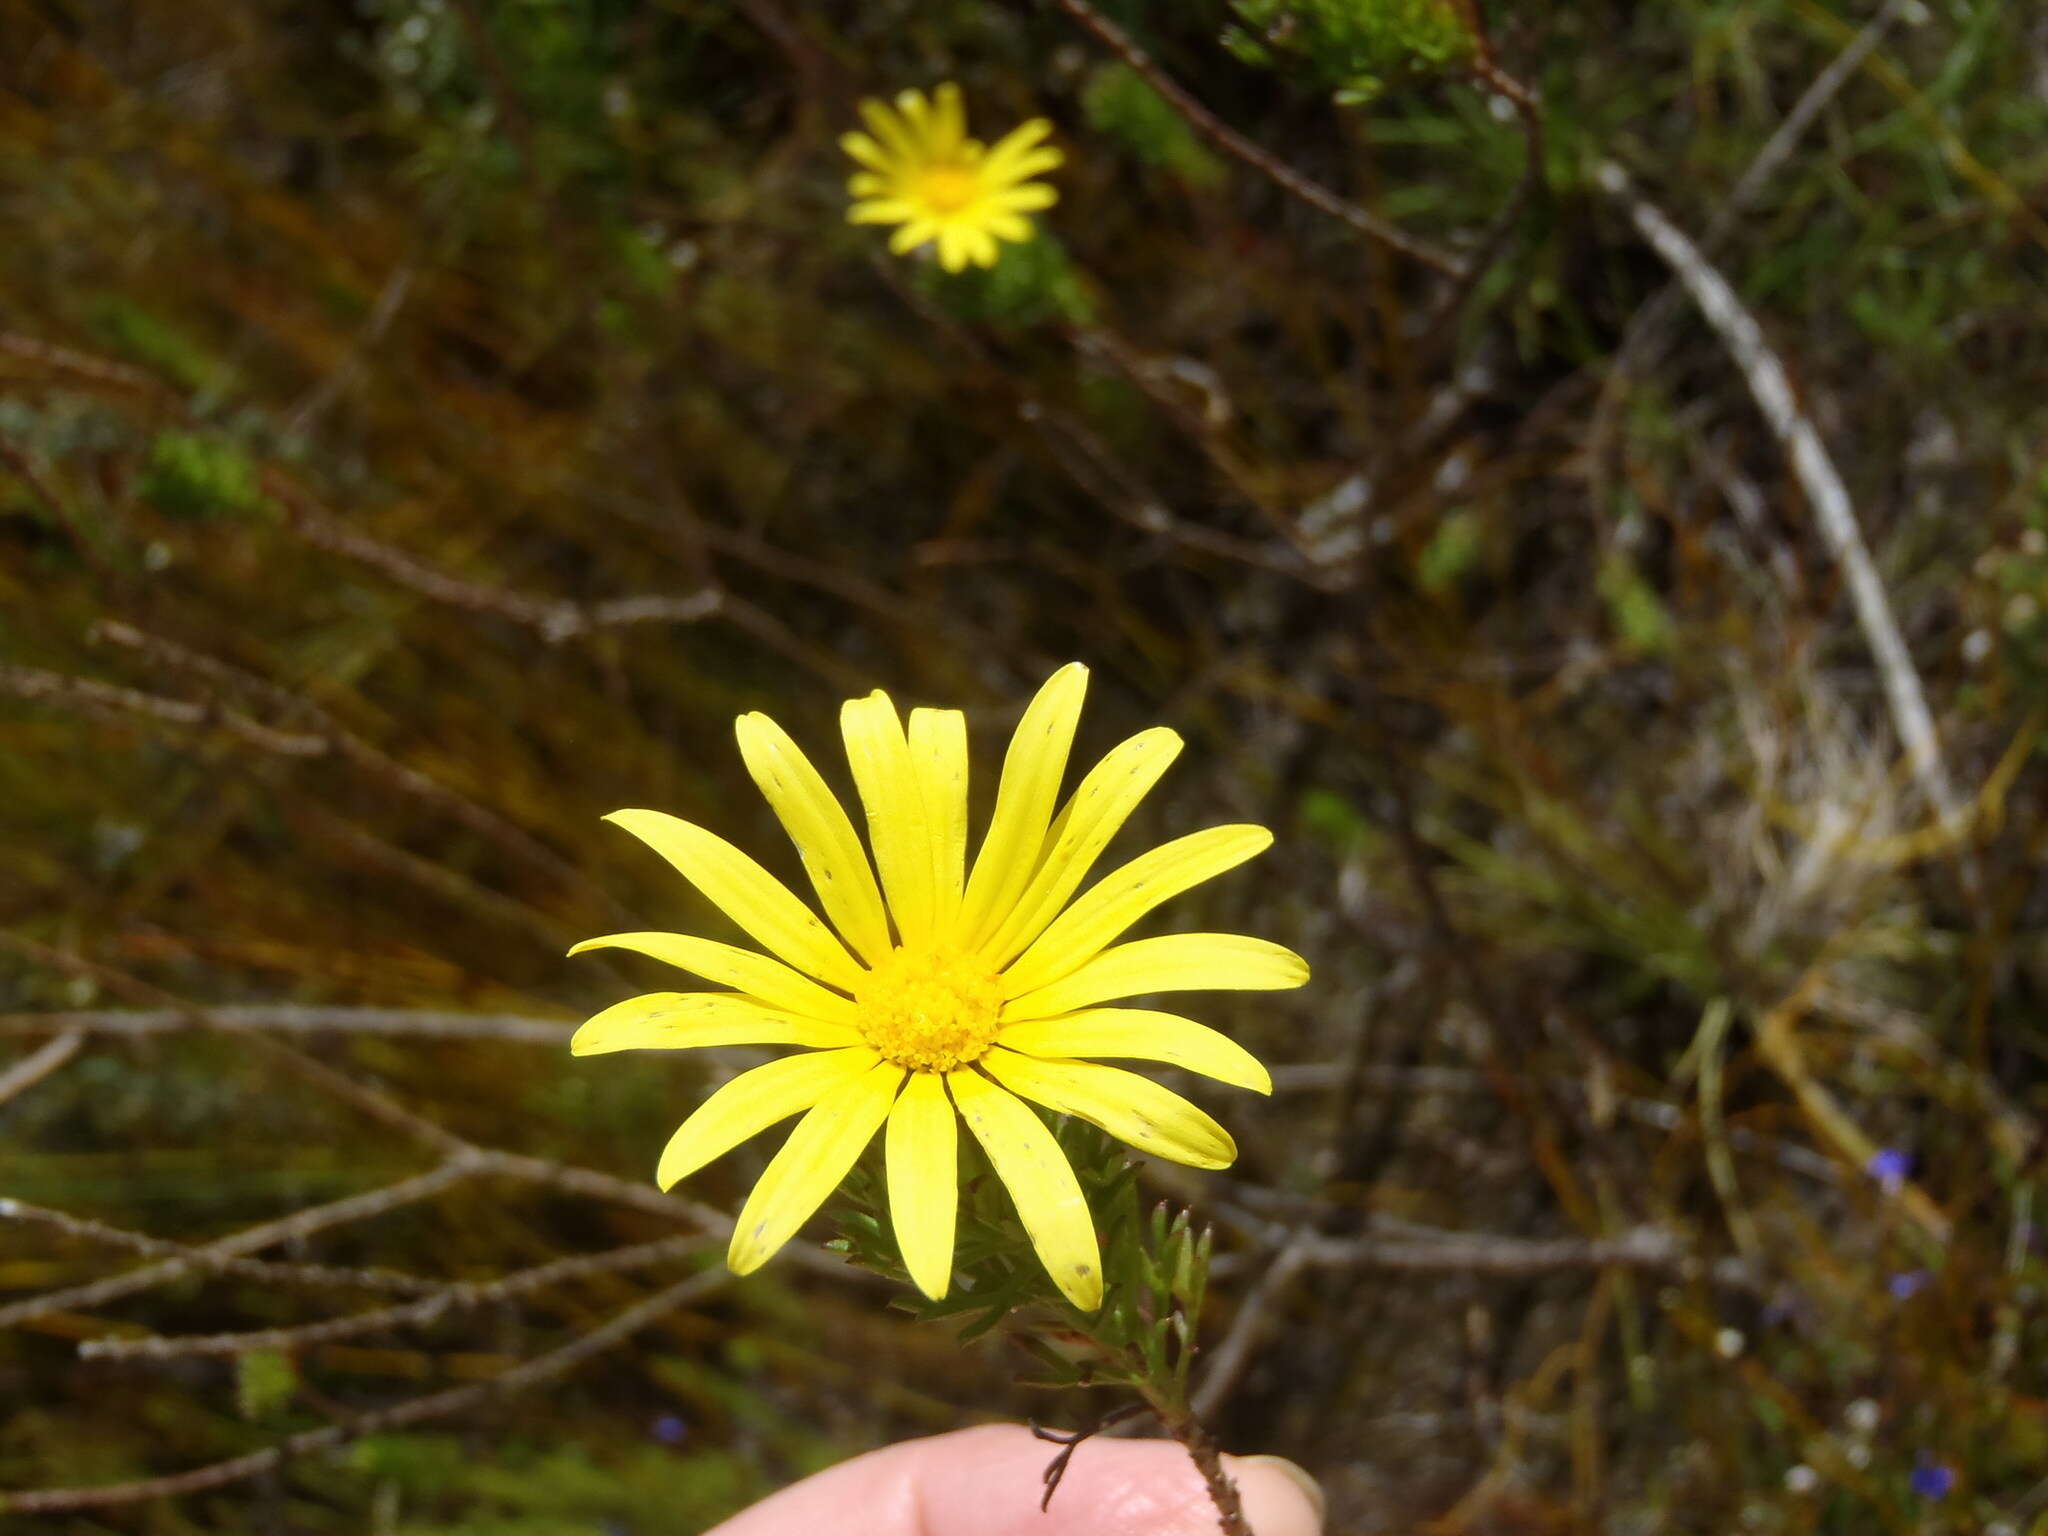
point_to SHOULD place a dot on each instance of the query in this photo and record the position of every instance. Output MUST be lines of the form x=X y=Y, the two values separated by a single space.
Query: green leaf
x=265 y=1380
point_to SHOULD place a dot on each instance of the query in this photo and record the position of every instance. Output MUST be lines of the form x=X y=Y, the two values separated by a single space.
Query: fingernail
x=1299 y=1476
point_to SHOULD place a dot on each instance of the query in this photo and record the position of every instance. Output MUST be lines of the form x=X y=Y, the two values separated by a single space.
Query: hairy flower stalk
x=930 y=994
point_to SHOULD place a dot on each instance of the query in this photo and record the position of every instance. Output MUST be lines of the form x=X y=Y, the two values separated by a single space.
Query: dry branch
x=291 y=1019
x=1772 y=390
x=40 y=1063
x=189 y=1260
x=556 y=1362
x=464 y=1296
x=1238 y=147
x=200 y=1261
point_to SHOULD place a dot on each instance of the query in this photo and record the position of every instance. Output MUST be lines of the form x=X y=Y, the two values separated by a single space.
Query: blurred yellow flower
x=943 y=993
x=922 y=172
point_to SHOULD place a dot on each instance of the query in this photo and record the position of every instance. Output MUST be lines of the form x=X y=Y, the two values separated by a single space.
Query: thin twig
x=40 y=1063
x=1646 y=329
x=105 y=701
x=1427 y=1250
x=293 y=1019
x=1825 y=492
x=85 y=368
x=1234 y=144
x=1319 y=1076
x=1650 y=1248
x=1528 y=109
x=320 y=399
x=555 y=619
x=119 y=705
x=201 y=1261
x=300 y=1224
x=1069 y=1441
x=465 y=1296
x=542 y=1368
x=1227 y=1361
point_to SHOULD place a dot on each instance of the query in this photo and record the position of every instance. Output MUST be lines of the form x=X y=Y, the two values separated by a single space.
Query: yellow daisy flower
x=944 y=995
x=923 y=173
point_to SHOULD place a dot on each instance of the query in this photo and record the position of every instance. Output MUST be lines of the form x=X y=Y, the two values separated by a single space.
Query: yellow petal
x=981 y=250
x=882 y=771
x=1032 y=1167
x=1101 y=805
x=684 y=1020
x=1142 y=1035
x=917 y=232
x=880 y=210
x=938 y=755
x=748 y=894
x=860 y=147
x=890 y=131
x=952 y=247
x=810 y=1165
x=756 y=975
x=817 y=823
x=1019 y=144
x=755 y=1100
x=1009 y=226
x=1131 y=1108
x=1028 y=198
x=1179 y=962
x=1126 y=894
x=1017 y=173
x=1030 y=786
x=949 y=121
x=923 y=1163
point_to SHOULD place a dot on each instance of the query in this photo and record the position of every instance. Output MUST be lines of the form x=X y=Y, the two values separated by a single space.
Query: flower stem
x=1179 y=1421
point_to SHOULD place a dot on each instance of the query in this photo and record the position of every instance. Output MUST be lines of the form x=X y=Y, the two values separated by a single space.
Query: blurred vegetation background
x=425 y=423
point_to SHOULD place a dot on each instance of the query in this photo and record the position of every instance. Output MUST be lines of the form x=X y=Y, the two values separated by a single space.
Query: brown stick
x=465 y=1296
x=1238 y=147
x=542 y=1368
x=388 y=1282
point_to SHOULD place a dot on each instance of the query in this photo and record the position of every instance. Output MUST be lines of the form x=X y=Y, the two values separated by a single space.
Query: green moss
x=198 y=478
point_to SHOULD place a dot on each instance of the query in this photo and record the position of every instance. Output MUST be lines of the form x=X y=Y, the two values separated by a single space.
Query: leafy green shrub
x=1358 y=48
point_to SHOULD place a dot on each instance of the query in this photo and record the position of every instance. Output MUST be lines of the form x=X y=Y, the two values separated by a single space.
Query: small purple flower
x=1932 y=1479
x=669 y=1429
x=1907 y=1284
x=1889 y=1167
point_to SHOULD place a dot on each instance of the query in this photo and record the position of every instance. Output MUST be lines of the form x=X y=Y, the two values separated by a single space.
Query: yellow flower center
x=948 y=188
x=929 y=1010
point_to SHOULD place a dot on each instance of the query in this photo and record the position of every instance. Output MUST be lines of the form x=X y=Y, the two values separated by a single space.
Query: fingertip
x=1280 y=1497
x=988 y=1481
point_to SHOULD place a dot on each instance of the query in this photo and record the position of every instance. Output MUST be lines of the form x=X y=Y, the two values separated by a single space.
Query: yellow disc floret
x=946 y=189
x=929 y=1010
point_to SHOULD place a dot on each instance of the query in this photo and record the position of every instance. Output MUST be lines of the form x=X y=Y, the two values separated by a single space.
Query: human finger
x=986 y=1482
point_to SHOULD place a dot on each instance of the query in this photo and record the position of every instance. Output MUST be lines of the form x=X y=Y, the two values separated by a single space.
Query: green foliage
x=1155 y=1274
x=1357 y=48
x=1639 y=614
x=1451 y=550
x=197 y=477
x=435 y=1485
x=265 y=1381
x=1031 y=283
x=1119 y=105
x=156 y=343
